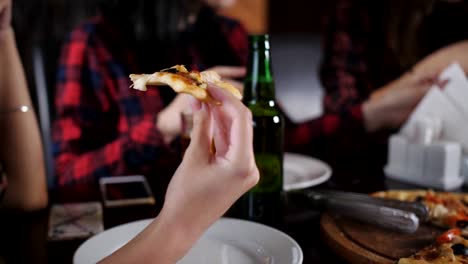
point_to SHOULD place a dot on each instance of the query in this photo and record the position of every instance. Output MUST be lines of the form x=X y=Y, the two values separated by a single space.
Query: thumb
x=200 y=139
x=230 y=71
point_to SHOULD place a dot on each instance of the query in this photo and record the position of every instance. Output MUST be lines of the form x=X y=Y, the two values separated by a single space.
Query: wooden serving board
x=362 y=243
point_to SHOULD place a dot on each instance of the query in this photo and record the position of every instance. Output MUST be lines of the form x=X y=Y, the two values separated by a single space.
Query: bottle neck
x=259 y=84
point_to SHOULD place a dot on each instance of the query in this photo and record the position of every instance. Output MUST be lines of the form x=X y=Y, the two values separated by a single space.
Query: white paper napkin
x=457 y=87
x=436 y=104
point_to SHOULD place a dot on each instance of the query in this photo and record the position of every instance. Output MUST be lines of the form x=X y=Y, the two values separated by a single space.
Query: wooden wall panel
x=252 y=13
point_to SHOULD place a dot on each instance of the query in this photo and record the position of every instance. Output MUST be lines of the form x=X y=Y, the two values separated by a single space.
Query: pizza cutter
x=367 y=211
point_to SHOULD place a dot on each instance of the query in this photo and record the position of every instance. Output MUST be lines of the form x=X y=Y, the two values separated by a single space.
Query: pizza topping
x=439 y=210
x=432 y=254
x=460 y=249
x=452 y=251
x=465 y=202
x=430 y=197
x=170 y=70
x=428 y=254
x=448 y=236
x=462 y=223
x=419 y=199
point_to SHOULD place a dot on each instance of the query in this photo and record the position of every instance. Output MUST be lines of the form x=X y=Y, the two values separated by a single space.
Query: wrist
x=179 y=235
x=163 y=241
x=6 y=34
x=187 y=227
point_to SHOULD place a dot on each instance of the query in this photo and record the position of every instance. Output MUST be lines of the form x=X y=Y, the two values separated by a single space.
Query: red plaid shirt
x=103 y=127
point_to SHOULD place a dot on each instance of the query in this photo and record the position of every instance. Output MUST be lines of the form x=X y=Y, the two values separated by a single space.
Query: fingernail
x=195 y=104
x=204 y=107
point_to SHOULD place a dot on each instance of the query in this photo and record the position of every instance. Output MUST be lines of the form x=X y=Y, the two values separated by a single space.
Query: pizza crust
x=178 y=83
x=182 y=81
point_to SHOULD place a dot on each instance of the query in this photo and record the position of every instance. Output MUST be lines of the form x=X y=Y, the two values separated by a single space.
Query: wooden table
x=361 y=243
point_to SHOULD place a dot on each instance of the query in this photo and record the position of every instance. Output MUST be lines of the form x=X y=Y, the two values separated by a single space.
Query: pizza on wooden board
x=446 y=209
x=181 y=80
x=450 y=247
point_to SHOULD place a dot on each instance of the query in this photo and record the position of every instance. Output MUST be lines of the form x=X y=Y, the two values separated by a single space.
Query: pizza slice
x=450 y=247
x=183 y=81
x=446 y=209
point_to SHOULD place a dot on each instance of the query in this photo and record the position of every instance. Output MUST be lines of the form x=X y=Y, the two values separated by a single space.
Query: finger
x=222 y=122
x=222 y=95
x=195 y=104
x=230 y=71
x=416 y=94
x=200 y=139
x=239 y=119
x=239 y=85
x=221 y=130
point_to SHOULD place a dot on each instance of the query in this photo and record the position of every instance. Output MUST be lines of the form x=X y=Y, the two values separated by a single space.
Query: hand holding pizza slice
x=183 y=81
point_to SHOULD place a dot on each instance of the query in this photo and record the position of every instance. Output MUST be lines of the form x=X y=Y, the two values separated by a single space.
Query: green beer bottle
x=263 y=203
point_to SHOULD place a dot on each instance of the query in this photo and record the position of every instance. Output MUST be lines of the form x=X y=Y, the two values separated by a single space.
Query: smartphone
x=125 y=190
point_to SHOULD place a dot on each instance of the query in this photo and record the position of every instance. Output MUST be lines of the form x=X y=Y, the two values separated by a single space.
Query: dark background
x=297 y=16
x=42 y=25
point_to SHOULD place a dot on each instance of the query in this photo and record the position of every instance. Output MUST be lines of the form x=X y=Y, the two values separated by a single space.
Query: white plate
x=303 y=171
x=228 y=241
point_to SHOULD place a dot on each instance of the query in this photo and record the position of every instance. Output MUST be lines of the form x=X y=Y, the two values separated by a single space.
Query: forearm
x=437 y=61
x=375 y=110
x=21 y=146
x=22 y=157
x=164 y=241
x=371 y=117
x=13 y=87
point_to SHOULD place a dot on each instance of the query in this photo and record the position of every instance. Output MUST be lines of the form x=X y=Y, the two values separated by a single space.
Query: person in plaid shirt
x=380 y=58
x=103 y=127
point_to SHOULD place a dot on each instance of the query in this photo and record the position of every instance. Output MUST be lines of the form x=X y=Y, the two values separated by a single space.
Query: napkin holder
x=434 y=165
x=464 y=168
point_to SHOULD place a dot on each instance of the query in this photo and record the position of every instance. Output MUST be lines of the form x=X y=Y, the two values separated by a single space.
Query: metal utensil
x=366 y=211
x=419 y=209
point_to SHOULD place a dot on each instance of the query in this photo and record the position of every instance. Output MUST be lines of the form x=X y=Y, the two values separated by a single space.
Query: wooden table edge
x=345 y=247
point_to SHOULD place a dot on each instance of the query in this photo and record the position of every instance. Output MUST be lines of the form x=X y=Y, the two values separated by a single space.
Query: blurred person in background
x=380 y=59
x=22 y=173
x=103 y=127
